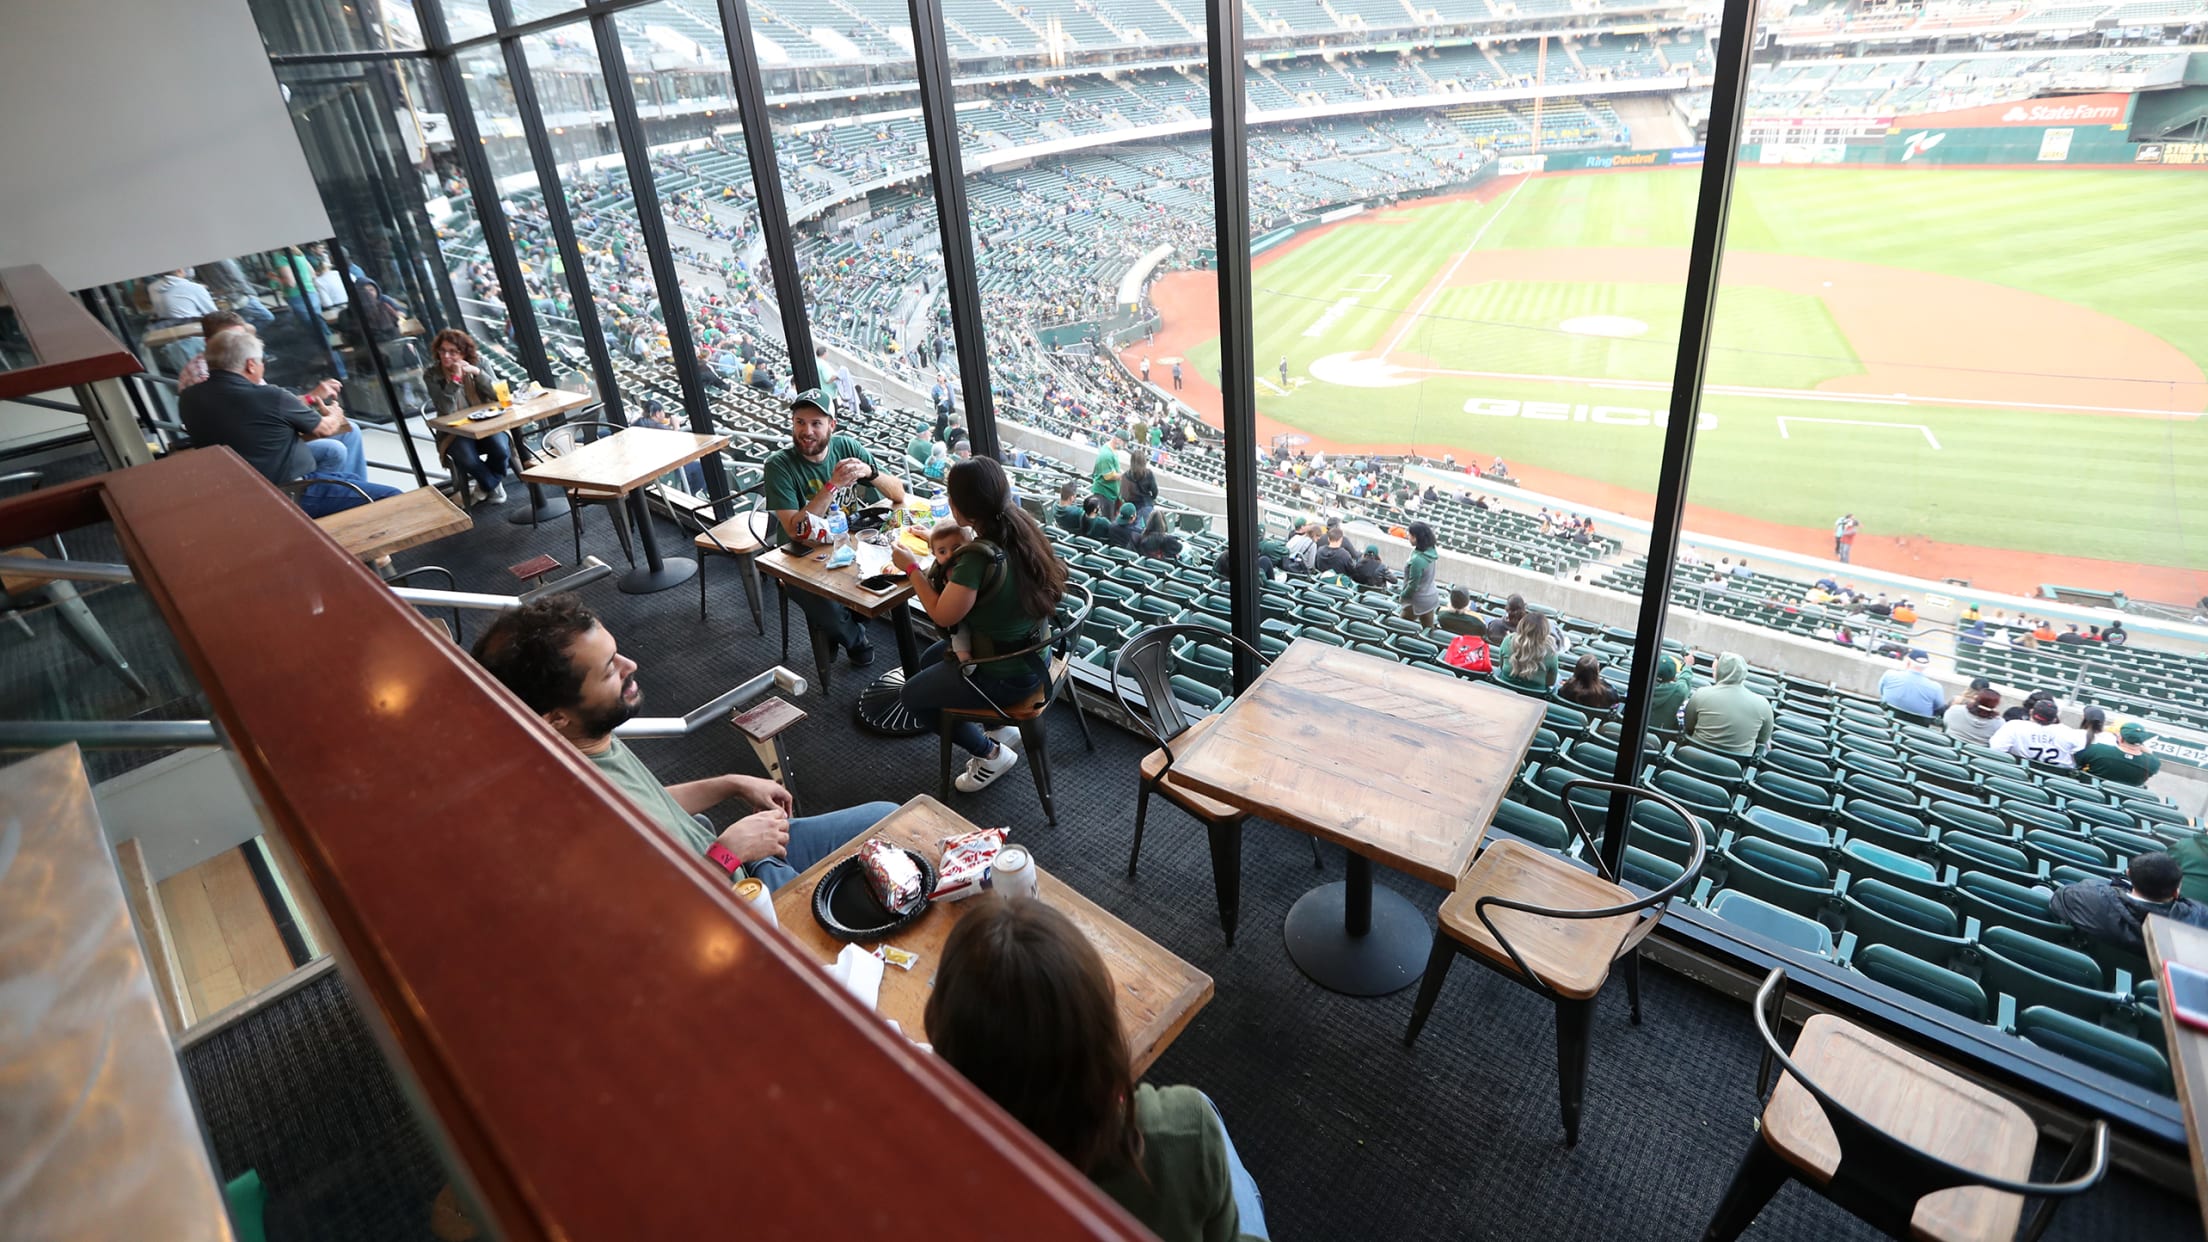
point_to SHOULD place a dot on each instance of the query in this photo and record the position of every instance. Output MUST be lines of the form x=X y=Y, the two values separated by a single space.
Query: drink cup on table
x=1012 y=874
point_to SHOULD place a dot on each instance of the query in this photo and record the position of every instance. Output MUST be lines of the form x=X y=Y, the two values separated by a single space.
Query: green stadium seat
x=1377 y=651
x=2100 y=815
x=2020 y=790
x=1996 y=902
x=2124 y=844
x=2064 y=849
x=2022 y=815
x=1880 y=913
x=1591 y=759
x=1707 y=764
x=1800 y=767
x=2132 y=1060
x=1937 y=985
x=1189 y=690
x=1870 y=861
x=1317 y=635
x=1786 y=829
x=1787 y=878
x=1109 y=626
x=1876 y=822
x=1700 y=795
x=1537 y=827
x=1855 y=785
x=1968 y=852
x=1149 y=611
x=1772 y=923
x=1567 y=721
x=1361 y=631
x=1787 y=795
x=1646 y=871
x=1945 y=816
x=2040 y=972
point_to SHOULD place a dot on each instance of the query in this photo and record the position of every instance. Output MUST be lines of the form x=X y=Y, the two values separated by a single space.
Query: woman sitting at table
x=1001 y=590
x=456 y=382
x=1024 y=1007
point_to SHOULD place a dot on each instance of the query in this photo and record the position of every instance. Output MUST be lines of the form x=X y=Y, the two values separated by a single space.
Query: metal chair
x=1027 y=713
x=20 y=592
x=742 y=537
x=1144 y=666
x=1563 y=952
x=1848 y=1150
x=560 y=441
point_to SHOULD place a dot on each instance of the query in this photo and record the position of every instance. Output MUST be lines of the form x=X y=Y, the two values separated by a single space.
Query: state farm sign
x=2055 y=114
x=2102 y=109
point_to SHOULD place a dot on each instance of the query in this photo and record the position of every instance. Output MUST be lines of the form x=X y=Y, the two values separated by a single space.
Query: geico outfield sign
x=1567 y=412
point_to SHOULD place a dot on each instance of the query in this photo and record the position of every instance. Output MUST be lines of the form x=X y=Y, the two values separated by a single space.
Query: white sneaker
x=981 y=773
x=1004 y=735
x=498 y=494
x=464 y=494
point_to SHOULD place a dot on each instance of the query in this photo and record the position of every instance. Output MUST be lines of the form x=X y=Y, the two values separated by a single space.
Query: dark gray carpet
x=1349 y=1134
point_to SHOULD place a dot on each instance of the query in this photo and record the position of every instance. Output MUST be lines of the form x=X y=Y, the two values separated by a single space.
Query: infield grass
x=2127 y=244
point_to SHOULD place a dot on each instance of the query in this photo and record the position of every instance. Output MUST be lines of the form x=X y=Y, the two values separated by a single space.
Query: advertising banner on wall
x=2102 y=109
x=2054 y=145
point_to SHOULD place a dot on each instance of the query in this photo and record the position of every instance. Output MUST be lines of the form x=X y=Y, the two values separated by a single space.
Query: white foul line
x=1857 y=422
x=1449 y=275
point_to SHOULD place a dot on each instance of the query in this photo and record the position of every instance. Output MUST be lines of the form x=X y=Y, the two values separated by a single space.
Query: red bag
x=1468 y=652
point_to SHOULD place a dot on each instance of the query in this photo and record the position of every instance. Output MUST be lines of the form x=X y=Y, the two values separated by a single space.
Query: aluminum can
x=1013 y=873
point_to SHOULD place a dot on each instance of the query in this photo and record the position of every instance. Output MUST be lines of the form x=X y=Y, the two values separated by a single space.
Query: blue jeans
x=829 y=617
x=940 y=684
x=483 y=460
x=342 y=455
x=1248 y=1203
x=816 y=837
x=324 y=501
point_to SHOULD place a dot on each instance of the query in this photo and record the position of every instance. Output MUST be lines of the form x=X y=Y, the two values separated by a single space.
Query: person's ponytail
x=982 y=495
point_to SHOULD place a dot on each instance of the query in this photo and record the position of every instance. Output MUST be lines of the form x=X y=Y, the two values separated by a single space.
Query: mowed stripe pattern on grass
x=2122 y=243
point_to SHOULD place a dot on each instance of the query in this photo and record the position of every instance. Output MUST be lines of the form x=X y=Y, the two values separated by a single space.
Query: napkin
x=860 y=971
x=840 y=557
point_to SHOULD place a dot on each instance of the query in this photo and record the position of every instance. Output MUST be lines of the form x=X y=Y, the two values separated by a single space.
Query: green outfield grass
x=2127 y=244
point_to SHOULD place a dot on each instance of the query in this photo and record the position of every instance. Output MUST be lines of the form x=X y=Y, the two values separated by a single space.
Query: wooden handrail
x=612 y=1048
x=71 y=346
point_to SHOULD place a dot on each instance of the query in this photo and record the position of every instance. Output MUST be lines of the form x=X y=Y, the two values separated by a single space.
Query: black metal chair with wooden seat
x=1914 y=1150
x=1026 y=714
x=1571 y=927
x=560 y=441
x=1144 y=667
x=741 y=537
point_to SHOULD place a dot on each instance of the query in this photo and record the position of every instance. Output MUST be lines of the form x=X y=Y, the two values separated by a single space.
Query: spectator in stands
x=2044 y=631
x=2091 y=720
x=1904 y=612
x=1302 y=549
x=939 y=462
x=329 y=284
x=1158 y=540
x=1334 y=555
x=2113 y=911
x=1138 y=484
x=654 y=413
x=383 y=317
x=1586 y=686
x=1457 y=616
x=556 y=657
x=1669 y=695
x=177 y=298
x=237 y=407
x=1025 y=1008
x=2115 y=635
x=1001 y=590
x=2041 y=737
x=2126 y=762
x=1068 y=514
x=1094 y=524
x=1104 y=474
x=1742 y=573
x=1975 y=717
x=457 y=381
x=2023 y=709
x=1420 y=597
x=1910 y=690
x=195 y=371
x=1370 y=570
x=2069 y=637
x=1123 y=532
x=1726 y=715
x=1527 y=659
x=1514 y=611
x=800 y=483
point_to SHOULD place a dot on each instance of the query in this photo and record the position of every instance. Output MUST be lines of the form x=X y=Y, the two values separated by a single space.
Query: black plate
x=844 y=903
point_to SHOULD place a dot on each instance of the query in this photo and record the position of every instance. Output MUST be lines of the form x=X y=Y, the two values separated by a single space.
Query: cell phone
x=793 y=548
x=879 y=582
x=2185 y=991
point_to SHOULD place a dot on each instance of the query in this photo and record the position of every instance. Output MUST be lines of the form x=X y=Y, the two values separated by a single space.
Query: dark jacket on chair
x=2107 y=910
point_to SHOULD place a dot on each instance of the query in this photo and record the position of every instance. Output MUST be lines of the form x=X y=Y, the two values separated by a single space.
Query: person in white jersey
x=2040 y=736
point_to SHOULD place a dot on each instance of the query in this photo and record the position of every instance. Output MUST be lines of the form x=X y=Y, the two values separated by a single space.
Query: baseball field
x=1981 y=364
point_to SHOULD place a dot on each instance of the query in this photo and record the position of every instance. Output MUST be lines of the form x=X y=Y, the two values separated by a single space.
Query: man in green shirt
x=1104 y=475
x=555 y=656
x=1726 y=715
x=2127 y=762
x=801 y=481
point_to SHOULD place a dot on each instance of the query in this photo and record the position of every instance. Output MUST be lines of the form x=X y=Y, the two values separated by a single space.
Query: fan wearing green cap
x=1669 y=696
x=1123 y=532
x=801 y=481
x=2127 y=762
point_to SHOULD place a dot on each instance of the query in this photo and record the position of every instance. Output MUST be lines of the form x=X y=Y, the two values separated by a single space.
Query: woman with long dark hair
x=1420 y=598
x=1024 y=1007
x=1000 y=592
x=1138 y=486
x=1528 y=657
x=1587 y=688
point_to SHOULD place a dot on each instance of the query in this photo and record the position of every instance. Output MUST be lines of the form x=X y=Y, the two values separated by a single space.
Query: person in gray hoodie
x=1726 y=715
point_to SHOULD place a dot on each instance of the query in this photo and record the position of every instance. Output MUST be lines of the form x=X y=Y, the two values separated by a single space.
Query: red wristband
x=725 y=858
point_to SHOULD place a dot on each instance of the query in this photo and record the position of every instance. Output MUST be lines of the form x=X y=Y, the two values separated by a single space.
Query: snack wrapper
x=891 y=873
x=966 y=858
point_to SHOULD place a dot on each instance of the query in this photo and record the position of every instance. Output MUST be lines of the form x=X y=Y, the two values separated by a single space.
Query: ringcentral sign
x=1567 y=412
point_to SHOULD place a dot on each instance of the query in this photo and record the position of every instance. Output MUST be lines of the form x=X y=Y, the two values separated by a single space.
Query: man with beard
x=800 y=482
x=555 y=656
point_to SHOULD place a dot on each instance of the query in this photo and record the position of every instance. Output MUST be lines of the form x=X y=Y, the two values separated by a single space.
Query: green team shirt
x=2112 y=764
x=629 y=774
x=996 y=621
x=1107 y=462
x=792 y=481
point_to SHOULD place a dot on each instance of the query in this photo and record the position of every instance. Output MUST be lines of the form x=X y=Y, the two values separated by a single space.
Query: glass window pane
x=306 y=26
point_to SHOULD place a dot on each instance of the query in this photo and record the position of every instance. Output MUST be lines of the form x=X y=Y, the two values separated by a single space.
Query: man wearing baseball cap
x=801 y=481
x=2041 y=736
x=2127 y=762
x=1909 y=691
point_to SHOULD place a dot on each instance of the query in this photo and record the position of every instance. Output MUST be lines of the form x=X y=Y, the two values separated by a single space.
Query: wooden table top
x=2171 y=941
x=1158 y=992
x=547 y=404
x=407 y=520
x=625 y=460
x=1405 y=766
x=811 y=573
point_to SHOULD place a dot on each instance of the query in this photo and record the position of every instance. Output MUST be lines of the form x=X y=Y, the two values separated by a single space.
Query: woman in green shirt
x=1024 y=1007
x=1528 y=657
x=1420 y=598
x=1001 y=589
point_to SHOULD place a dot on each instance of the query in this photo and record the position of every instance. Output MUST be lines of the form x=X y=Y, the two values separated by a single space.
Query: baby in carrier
x=945 y=542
